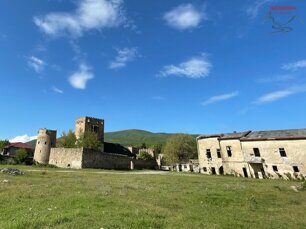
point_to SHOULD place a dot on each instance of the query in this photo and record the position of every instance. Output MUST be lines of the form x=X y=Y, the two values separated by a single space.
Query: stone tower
x=85 y=124
x=46 y=140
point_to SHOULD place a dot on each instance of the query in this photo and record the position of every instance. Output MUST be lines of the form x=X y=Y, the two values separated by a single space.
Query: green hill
x=132 y=137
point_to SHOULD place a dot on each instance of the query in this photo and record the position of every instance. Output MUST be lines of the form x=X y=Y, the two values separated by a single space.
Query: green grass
x=88 y=199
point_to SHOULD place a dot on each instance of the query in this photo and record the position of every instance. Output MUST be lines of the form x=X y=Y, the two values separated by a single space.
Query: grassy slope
x=82 y=199
x=132 y=137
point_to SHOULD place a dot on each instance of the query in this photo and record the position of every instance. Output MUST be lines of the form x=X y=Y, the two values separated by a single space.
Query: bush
x=180 y=148
x=67 y=140
x=21 y=156
x=89 y=140
x=145 y=155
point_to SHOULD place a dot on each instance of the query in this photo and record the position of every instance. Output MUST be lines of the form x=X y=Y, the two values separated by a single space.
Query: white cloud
x=219 y=98
x=253 y=10
x=79 y=79
x=89 y=15
x=36 y=64
x=295 y=65
x=277 y=78
x=184 y=16
x=277 y=95
x=23 y=138
x=196 y=67
x=57 y=90
x=124 y=56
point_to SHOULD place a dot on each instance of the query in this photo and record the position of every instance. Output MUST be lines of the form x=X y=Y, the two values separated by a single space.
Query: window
x=256 y=152
x=204 y=169
x=208 y=153
x=282 y=152
x=95 y=129
x=229 y=150
x=45 y=143
x=218 y=153
x=213 y=170
x=295 y=169
x=38 y=142
x=274 y=168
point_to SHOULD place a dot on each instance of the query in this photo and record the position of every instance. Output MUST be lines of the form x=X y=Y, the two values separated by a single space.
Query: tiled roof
x=234 y=135
x=261 y=135
x=276 y=134
x=18 y=145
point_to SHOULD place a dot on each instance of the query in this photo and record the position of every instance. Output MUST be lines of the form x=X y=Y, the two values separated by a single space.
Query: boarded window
x=256 y=152
x=275 y=168
x=218 y=153
x=282 y=152
x=229 y=150
x=295 y=169
x=208 y=153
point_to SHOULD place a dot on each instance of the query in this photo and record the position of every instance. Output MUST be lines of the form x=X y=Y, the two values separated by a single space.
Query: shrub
x=67 y=140
x=21 y=156
x=89 y=140
x=145 y=155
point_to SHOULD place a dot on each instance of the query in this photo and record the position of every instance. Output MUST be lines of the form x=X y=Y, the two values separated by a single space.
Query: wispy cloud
x=23 y=138
x=219 y=98
x=196 y=67
x=79 y=79
x=36 y=64
x=277 y=95
x=57 y=90
x=275 y=79
x=89 y=15
x=124 y=56
x=253 y=10
x=185 y=16
x=295 y=65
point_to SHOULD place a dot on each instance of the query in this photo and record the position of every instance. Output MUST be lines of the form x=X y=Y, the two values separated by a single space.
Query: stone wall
x=78 y=158
x=145 y=164
x=94 y=159
x=66 y=157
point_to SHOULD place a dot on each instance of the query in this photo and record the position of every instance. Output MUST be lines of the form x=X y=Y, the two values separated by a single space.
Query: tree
x=145 y=155
x=3 y=143
x=67 y=140
x=89 y=140
x=21 y=156
x=157 y=148
x=180 y=148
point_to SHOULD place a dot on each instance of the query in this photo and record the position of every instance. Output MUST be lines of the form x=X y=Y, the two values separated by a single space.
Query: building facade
x=256 y=154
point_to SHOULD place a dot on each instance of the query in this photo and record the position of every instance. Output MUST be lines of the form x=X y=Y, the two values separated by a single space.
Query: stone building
x=257 y=154
x=46 y=139
x=109 y=156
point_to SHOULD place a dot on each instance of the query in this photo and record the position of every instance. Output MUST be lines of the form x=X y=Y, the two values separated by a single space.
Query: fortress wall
x=66 y=157
x=94 y=159
x=145 y=164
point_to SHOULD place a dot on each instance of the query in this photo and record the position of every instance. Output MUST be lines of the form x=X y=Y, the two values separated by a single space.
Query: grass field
x=107 y=199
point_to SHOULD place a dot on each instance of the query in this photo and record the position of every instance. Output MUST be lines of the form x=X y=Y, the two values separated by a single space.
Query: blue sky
x=163 y=66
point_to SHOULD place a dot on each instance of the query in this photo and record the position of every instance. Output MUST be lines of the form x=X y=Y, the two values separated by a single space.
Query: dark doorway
x=213 y=170
x=221 y=171
x=245 y=173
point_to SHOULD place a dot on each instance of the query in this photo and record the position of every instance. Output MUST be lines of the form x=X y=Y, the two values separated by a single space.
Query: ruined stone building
x=109 y=156
x=257 y=154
